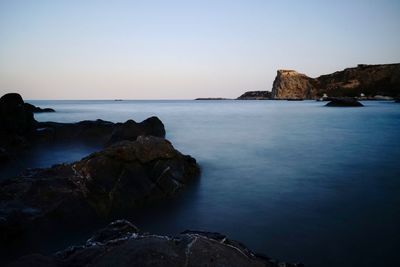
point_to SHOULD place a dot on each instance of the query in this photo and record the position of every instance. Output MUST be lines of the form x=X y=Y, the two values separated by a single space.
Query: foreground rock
x=122 y=244
x=255 y=95
x=113 y=181
x=344 y=102
x=368 y=80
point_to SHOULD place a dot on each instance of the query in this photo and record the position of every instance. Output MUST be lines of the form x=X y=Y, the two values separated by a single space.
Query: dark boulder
x=113 y=181
x=344 y=102
x=122 y=244
x=35 y=109
x=14 y=118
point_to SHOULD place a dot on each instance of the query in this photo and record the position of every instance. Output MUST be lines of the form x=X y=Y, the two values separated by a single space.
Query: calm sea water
x=294 y=180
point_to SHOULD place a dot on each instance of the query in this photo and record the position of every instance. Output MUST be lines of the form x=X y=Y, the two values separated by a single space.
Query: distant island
x=364 y=82
x=212 y=98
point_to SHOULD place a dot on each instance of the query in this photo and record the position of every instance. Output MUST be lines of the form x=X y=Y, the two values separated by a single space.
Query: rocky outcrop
x=113 y=181
x=344 y=102
x=122 y=244
x=35 y=109
x=368 y=80
x=19 y=130
x=255 y=95
x=97 y=132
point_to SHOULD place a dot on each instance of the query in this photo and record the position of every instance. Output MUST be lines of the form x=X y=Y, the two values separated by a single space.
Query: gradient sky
x=184 y=49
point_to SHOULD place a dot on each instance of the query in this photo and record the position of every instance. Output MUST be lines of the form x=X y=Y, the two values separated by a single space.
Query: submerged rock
x=122 y=244
x=344 y=102
x=109 y=182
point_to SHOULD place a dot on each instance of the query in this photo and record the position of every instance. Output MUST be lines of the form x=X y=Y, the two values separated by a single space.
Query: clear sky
x=184 y=49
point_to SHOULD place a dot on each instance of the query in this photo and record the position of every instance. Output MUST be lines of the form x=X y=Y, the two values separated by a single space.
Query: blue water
x=296 y=181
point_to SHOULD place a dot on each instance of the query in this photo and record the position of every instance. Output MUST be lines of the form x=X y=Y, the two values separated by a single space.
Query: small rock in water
x=344 y=102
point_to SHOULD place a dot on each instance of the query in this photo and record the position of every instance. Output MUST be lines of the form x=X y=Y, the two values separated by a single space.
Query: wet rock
x=109 y=182
x=125 y=245
x=344 y=102
x=35 y=109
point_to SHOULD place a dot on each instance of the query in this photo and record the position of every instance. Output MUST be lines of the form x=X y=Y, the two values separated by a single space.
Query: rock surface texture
x=112 y=181
x=122 y=244
x=369 y=80
x=255 y=95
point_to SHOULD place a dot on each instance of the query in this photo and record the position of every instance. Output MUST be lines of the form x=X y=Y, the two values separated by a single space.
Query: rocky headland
x=363 y=80
x=123 y=244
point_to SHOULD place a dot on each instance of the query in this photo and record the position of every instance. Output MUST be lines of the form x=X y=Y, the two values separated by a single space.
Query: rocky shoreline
x=136 y=166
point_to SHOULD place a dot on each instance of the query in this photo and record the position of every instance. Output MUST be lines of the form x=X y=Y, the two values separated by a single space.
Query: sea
x=293 y=180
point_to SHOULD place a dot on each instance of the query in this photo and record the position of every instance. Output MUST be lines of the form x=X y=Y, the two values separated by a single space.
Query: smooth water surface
x=296 y=181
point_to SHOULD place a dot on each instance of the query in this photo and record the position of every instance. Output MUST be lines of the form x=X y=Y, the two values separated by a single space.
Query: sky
x=184 y=49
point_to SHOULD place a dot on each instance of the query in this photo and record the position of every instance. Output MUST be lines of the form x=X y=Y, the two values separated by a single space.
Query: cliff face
x=370 y=80
x=290 y=84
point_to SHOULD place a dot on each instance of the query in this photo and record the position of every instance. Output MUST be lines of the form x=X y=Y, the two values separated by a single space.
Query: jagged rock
x=344 y=102
x=109 y=182
x=255 y=95
x=35 y=109
x=122 y=244
x=368 y=80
